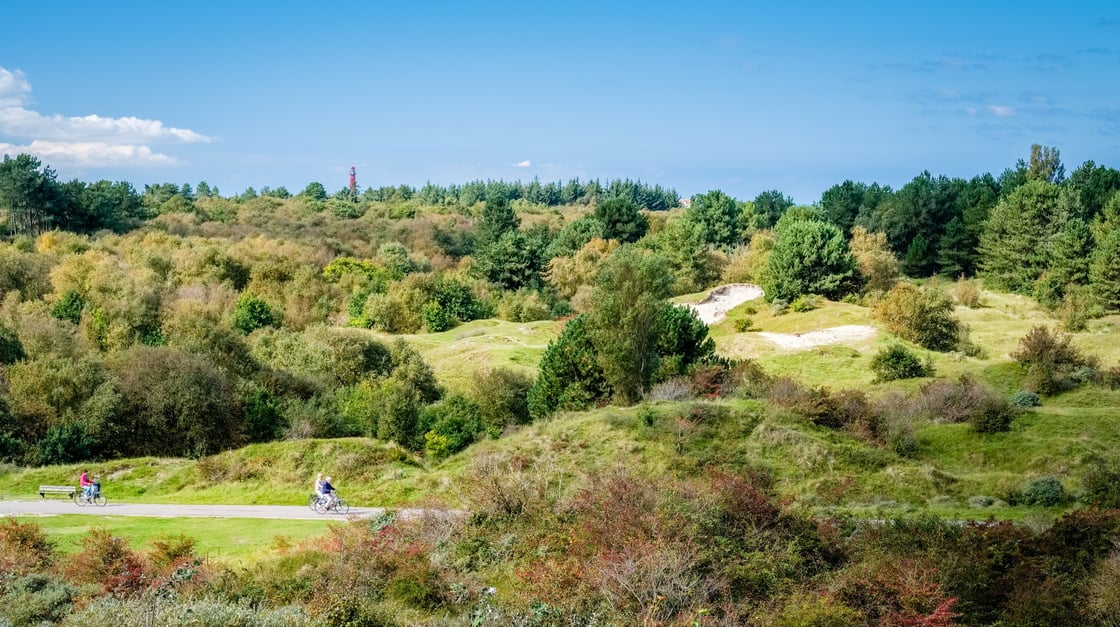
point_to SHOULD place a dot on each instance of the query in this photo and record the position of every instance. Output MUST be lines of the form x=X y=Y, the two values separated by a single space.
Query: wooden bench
x=68 y=490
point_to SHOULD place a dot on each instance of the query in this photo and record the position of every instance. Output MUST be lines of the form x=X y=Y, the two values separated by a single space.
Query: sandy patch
x=723 y=299
x=821 y=337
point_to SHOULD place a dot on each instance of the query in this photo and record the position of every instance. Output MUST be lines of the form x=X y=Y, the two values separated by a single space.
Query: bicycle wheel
x=99 y=501
x=312 y=499
x=81 y=500
x=320 y=506
x=341 y=507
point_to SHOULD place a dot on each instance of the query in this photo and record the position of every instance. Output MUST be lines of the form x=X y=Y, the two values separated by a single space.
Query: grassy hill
x=815 y=468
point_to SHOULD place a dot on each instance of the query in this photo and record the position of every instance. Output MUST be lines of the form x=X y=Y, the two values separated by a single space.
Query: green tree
x=1093 y=185
x=574 y=236
x=1045 y=165
x=397 y=407
x=625 y=320
x=770 y=206
x=877 y=263
x=314 y=191
x=569 y=375
x=810 y=257
x=1070 y=251
x=1012 y=245
x=1104 y=271
x=497 y=220
x=174 y=403
x=512 y=262
x=252 y=313
x=717 y=218
x=955 y=256
x=29 y=195
x=621 y=220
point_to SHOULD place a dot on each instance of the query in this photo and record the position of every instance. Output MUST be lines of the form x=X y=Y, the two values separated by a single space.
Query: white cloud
x=89 y=154
x=1001 y=111
x=14 y=88
x=89 y=140
x=523 y=164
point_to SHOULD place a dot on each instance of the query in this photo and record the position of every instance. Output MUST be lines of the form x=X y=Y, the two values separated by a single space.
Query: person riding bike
x=85 y=483
x=327 y=490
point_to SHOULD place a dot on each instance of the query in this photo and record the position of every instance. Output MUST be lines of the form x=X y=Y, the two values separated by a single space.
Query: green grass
x=456 y=354
x=228 y=540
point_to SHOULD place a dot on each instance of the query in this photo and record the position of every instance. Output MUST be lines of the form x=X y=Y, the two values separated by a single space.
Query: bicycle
x=325 y=504
x=81 y=498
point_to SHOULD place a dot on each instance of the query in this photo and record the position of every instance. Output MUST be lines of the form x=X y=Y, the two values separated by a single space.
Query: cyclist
x=85 y=483
x=327 y=491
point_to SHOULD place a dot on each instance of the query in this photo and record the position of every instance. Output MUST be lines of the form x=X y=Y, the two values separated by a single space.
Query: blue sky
x=738 y=96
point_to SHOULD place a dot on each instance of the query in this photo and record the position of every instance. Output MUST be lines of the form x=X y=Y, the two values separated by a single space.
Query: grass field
x=227 y=540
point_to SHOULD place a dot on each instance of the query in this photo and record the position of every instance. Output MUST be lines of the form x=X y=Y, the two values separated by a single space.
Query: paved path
x=54 y=507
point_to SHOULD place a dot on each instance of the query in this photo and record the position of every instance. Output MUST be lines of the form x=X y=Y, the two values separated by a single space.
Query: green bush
x=1025 y=398
x=1043 y=491
x=1053 y=365
x=63 y=444
x=451 y=425
x=435 y=317
x=897 y=362
x=923 y=316
x=502 y=395
x=805 y=302
x=37 y=599
x=1101 y=479
x=252 y=313
x=743 y=325
x=995 y=418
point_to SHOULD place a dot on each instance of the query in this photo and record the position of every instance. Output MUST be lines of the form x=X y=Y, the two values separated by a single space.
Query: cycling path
x=54 y=507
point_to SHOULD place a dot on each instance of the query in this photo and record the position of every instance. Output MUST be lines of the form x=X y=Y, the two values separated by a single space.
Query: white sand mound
x=722 y=299
x=821 y=337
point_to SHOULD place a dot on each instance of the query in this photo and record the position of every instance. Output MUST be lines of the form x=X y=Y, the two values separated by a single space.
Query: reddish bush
x=107 y=561
x=24 y=547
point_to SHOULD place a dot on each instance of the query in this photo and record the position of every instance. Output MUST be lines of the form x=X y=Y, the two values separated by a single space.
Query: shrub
x=1043 y=491
x=895 y=417
x=252 y=313
x=805 y=302
x=1052 y=364
x=1102 y=483
x=743 y=325
x=63 y=444
x=923 y=316
x=1076 y=308
x=779 y=306
x=451 y=425
x=897 y=362
x=995 y=418
x=966 y=293
x=957 y=401
x=502 y=395
x=37 y=599
x=106 y=560
x=1025 y=398
x=435 y=317
x=24 y=547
